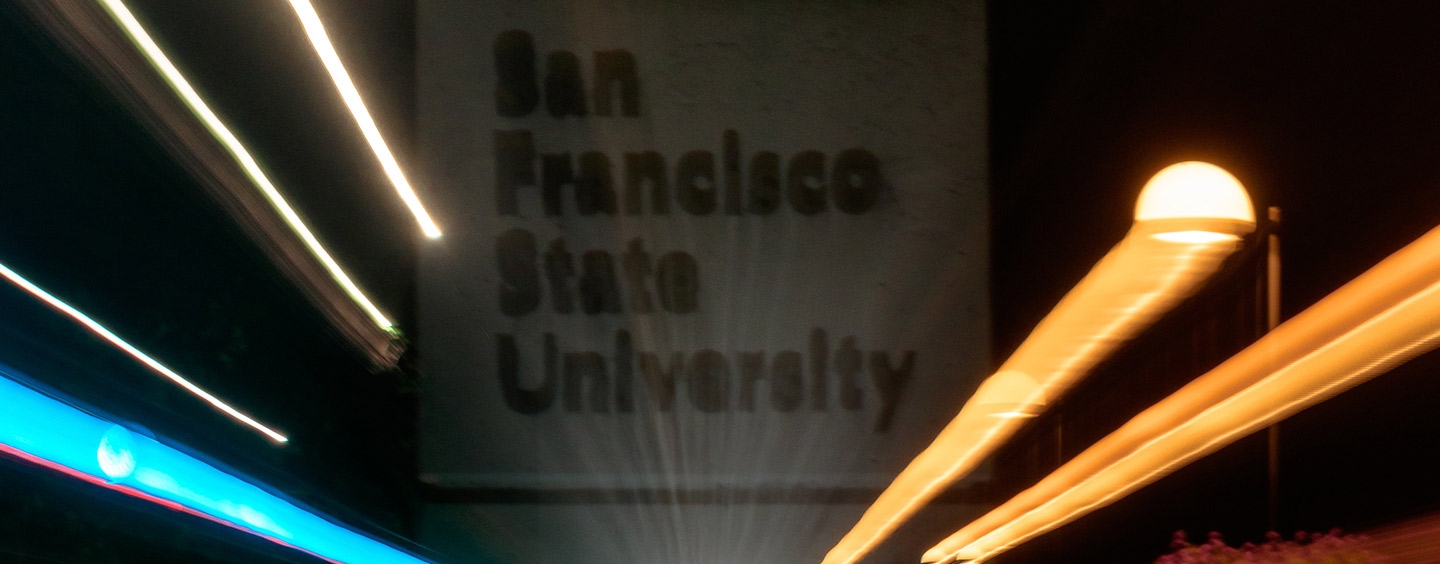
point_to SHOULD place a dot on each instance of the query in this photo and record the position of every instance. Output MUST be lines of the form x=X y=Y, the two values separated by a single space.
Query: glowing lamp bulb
x=1194 y=203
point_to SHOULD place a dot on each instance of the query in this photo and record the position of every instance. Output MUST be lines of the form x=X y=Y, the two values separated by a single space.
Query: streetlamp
x=1189 y=217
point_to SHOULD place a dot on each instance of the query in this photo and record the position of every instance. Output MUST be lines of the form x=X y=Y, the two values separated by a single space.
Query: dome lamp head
x=1194 y=203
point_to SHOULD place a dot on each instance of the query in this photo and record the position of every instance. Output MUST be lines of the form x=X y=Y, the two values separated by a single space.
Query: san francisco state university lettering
x=640 y=183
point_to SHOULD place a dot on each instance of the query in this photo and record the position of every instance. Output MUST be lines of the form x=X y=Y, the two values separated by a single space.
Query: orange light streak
x=1379 y=320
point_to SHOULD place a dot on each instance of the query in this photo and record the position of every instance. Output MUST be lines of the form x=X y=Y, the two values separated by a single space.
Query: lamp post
x=1189 y=217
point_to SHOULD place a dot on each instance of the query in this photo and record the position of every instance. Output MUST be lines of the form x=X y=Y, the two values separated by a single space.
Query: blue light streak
x=42 y=429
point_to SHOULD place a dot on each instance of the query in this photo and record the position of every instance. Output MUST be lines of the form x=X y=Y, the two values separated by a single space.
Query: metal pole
x=1272 y=318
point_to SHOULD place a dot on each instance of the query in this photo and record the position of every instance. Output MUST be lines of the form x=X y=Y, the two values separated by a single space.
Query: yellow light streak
x=100 y=330
x=1383 y=318
x=1144 y=276
x=192 y=99
x=315 y=29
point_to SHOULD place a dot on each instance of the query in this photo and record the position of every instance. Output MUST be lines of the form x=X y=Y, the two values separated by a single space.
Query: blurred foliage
x=1304 y=548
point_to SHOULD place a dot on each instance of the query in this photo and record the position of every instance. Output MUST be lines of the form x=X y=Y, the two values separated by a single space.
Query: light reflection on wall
x=1189 y=218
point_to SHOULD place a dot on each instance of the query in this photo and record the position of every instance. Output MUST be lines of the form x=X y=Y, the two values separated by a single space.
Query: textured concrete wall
x=800 y=309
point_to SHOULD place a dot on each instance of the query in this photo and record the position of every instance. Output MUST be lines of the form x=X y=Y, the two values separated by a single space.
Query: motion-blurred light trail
x=315 y=29
x=177 y=81
x=40 y=429
x=1414 y=541
x=1382 y=318
x=1159 y=263
x=98 y=329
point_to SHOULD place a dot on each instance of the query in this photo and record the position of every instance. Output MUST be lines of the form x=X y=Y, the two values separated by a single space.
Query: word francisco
x=588 y=381
x=853 y=182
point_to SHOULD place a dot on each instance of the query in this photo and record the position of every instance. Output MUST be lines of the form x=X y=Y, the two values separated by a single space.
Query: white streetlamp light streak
x=315 y=29
x=232 y=143
x=98 y=329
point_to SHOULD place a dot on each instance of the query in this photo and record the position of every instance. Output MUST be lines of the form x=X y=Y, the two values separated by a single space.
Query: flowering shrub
x=1305 y=548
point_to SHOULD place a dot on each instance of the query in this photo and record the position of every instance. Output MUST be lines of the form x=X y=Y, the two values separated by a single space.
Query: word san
x=518 y=83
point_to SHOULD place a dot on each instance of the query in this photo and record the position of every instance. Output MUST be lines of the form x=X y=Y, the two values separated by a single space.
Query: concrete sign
x=698 y=245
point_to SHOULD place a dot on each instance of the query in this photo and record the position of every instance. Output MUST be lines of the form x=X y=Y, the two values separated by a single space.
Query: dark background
x=1325 y=109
